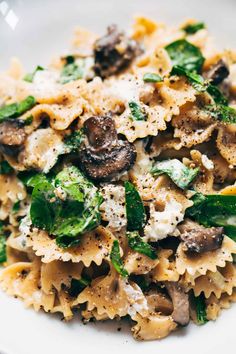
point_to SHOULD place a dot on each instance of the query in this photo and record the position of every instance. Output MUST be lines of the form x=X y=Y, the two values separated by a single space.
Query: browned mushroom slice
x=159 y=302
x=113 y=52
x=200 y=239
x=12 y=137
x=103 y=156
x=218 y=72
x=180 y=303
x=101 y=132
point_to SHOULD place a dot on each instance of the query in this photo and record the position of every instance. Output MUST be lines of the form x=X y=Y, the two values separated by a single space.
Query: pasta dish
x=117 y=178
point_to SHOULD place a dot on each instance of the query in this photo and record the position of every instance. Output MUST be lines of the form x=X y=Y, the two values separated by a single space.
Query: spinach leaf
x=28 y=120
x=70 y=59
x=137 y=244
x=223 y=113
x=220 y=110
x=3 y=256
x=15 y=110
x=215 y=210
x=71 y=72
x=200 y=307
x=66 y=206
x=16 y=207
x=116 y=259
x=152 y=77
x=196 y=80
x=200 y=84
x=25 y=105
x=28 y=177
x=43 y=210
x=30 y=77
x=217 y=95
x=180 y=174
x=137 y=112
x=186 y=55
x=135 y=212
x=78 y=285
x=193 y=28
x=74 y=140
x=5 y=168
x=8 y=111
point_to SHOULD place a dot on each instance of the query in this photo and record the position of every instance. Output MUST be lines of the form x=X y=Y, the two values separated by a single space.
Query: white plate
x=43 y=30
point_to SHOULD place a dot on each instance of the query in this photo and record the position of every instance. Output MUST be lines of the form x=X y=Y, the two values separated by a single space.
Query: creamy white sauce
x=42 y=149
x=163 y=223
x=113 y=207
x=45 y=82
x=138 y=303
x=207 y=163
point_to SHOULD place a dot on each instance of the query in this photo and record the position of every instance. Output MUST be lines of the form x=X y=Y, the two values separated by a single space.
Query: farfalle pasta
x=117 y=179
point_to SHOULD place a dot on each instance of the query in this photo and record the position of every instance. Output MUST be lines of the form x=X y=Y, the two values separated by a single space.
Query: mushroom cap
x=180 y=303
x=200 y=239
x=113 y=52
x=12 y=137
x=103 y=155
x=218 y=72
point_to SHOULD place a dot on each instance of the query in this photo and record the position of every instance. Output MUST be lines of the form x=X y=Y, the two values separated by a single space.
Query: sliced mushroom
x=180 y=303
x=12 y=137
x=218 y=72
x=103 y=155
x=159 y=302
x=200 y=239
x=113 y=52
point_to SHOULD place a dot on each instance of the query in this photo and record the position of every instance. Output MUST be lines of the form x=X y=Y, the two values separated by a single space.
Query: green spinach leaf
x=152 y=77
x=135 y=212
x=180 y=174
x=186 y=55
x=74 y=140
x=217 y=95
x=215 y=210
x=196 y=80
x=194 y=28
x=15 y=110
x=16 y=207
x=200 y=307
x=28 y=120
x=66 y=206
x=30 y=77
x=3 y=256
x=223 y=113
x=116 y=259
x=137 y=244
x=78 y=285
x=137 y=112
x=5 y=168
x=71 y=72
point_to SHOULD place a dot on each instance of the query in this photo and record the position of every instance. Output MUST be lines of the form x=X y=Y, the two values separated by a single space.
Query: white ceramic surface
x=43 y=30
